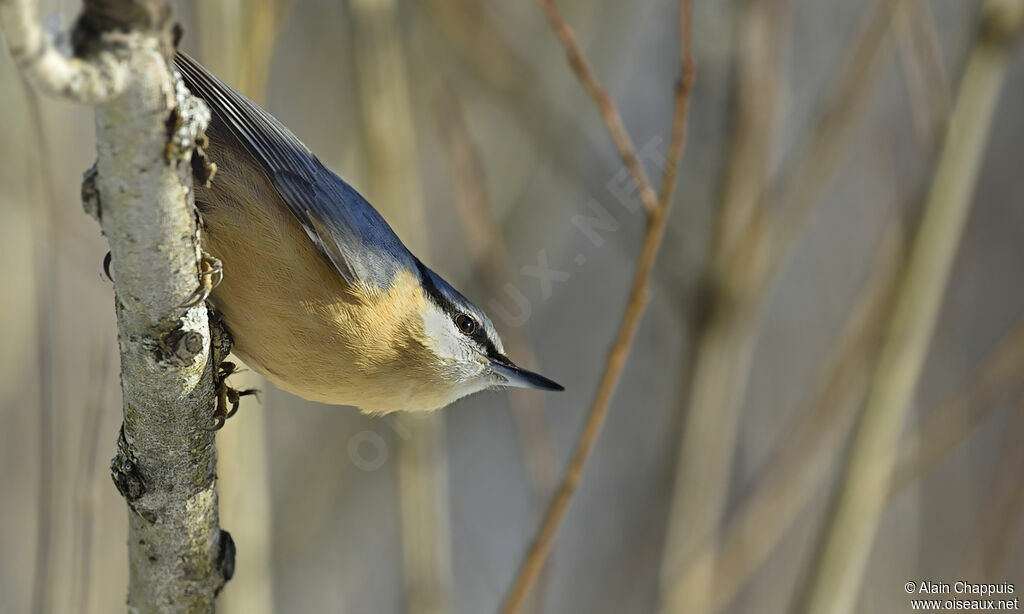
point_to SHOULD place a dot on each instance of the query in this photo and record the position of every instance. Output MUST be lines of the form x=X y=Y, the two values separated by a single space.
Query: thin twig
x=843 y=557
x=619 y=352
x=606 y=105
x=682 y=99
x=614 y=365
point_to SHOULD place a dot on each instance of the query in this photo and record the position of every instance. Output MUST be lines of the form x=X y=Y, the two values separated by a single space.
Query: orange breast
x=295 y=320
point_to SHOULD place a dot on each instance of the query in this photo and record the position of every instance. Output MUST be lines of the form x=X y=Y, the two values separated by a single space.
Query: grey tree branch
x=147 y=127
x=86 y=81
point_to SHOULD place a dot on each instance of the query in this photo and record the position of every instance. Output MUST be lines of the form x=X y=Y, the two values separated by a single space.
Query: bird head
x=467 y=350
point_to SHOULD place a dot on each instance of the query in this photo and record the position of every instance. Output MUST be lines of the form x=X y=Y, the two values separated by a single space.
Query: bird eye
x=465 y=324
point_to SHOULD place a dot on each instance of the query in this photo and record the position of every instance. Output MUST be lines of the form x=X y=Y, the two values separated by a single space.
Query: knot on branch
x=173 y=345
x=124 y=470
x=101 y=17
x=179 y=347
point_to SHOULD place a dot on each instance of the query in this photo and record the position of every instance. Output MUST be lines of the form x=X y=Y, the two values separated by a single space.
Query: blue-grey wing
x=342 y=224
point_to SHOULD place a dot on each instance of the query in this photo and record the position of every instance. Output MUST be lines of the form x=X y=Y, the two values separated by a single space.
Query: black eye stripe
x=434 y=292
x=428 y=286
x=495 y=355
x=479 y=335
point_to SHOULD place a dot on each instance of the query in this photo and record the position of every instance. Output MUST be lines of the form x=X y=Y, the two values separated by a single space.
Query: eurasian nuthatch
x=318 y=292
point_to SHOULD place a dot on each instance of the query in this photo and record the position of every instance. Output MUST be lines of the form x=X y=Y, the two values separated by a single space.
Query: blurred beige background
x=311 y=493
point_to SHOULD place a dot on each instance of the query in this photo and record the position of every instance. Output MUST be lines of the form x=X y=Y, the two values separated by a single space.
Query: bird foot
x=211 y=273
x=228 y=398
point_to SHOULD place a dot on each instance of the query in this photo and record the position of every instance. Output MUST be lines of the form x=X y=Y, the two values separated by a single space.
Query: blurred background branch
x=839 y=567
x=657 y=210
x=802 y=457
x=726 y=339
x=47 y=350
x=394 y=181
x=488 y=249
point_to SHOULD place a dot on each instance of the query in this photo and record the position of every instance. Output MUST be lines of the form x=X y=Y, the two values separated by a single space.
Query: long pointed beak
x=517 y=377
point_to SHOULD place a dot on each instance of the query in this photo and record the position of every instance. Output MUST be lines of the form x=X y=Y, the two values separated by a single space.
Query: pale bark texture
x=147 y=127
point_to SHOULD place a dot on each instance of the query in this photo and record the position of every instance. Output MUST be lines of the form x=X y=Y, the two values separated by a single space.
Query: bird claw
x=228 y=398
x=211 y=273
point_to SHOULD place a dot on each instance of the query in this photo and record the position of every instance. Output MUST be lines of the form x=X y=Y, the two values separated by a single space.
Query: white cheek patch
x=444 y=340
x=461 y=371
